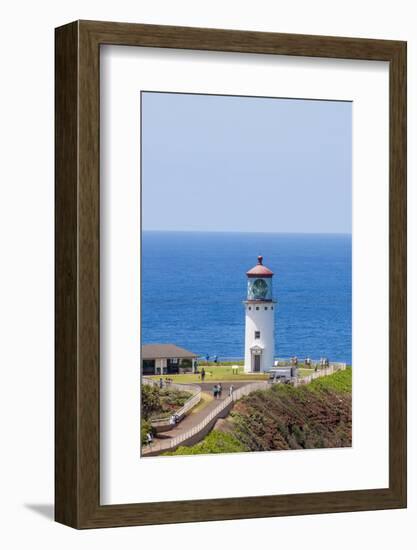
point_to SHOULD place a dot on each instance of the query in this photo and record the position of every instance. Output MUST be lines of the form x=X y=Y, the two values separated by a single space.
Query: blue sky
x=227 y=163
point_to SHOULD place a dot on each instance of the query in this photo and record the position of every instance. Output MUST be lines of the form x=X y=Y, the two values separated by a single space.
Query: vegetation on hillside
x=316 y=415
x=157 y=402
x=164 y=401
x=145 y=429
x=215 y=442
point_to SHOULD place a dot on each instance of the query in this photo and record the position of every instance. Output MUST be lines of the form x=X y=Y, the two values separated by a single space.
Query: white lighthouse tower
x=259 y=320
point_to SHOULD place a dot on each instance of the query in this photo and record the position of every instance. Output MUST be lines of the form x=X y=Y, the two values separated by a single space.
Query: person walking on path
x=230 y=390
x=215 y=391
x=220 y=390
x=203 y=374
x=161 y=383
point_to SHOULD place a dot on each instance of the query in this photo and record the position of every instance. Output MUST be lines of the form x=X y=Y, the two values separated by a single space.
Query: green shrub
x=150 y=402
x=216 y=442
x=145 y=428
x=160 y=401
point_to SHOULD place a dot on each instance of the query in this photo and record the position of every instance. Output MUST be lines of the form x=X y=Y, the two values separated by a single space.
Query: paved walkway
x=193 y=419
x=194 y=423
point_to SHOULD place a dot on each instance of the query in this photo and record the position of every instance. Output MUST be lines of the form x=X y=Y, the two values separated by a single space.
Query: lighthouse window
x=257 y=308
x=266 y=308
x=257 y=334
x=249 y=308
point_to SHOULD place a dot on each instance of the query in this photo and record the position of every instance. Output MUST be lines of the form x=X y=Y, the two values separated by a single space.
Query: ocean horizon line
x=327 y=233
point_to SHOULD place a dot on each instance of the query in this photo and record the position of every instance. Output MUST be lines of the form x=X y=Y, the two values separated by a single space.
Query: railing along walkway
x=327 y=371
x=194 y=389
x=167 y=444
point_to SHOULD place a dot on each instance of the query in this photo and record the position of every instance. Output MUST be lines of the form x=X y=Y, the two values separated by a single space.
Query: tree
x=151 y=402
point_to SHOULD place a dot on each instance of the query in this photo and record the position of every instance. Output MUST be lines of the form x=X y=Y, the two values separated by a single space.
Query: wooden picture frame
x=77 y=382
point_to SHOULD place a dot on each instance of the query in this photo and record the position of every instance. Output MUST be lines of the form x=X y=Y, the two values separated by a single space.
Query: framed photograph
x=230 y=274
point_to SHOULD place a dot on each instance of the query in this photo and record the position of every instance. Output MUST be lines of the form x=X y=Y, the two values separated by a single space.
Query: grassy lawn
x=340 y=381
x=213 y=374
x=221 y=373
x=222 y=364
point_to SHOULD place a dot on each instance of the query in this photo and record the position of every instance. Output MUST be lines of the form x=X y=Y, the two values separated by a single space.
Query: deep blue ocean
x=193 y=285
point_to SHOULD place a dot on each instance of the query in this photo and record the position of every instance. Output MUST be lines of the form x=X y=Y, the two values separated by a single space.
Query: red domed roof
x=259 y=270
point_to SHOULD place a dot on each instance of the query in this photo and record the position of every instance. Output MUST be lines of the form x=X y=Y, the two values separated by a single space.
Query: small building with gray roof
x=167 y=359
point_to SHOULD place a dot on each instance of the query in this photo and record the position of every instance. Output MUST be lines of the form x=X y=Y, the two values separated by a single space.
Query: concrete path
x=194 y=426
x=193 y=419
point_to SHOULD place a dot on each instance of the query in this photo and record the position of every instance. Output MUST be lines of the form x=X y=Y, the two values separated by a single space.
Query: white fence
x=189 y=404
x=331 y=369
x=165 y=445
x=282 y=361
x=301 y=363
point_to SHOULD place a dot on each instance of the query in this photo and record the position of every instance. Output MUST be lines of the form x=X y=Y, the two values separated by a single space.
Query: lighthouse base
x=258 y=360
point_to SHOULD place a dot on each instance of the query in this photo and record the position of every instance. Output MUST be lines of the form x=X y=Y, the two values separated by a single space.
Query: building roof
x=165 y=351
x=259 y=270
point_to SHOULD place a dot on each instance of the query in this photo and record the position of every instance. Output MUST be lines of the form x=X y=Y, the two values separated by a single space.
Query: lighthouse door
x=257 y=363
